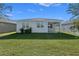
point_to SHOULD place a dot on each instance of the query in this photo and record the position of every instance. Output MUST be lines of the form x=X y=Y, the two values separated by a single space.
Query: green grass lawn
x=39 y=47
x=37 y=44
x=40 y=36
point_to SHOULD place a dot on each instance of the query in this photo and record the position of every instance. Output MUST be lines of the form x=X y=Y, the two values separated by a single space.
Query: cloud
x=9 y=14
x=45 y=4
x=49 y=4
x=57 y=4
x=31 y=10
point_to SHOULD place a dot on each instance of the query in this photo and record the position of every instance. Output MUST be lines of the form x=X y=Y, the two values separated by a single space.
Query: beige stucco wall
x=7 y=27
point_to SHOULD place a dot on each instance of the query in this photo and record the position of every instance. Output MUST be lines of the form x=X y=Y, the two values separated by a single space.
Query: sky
x=39 y=10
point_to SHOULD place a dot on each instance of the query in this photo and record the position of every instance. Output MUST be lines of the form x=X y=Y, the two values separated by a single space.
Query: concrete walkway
x=4 y=34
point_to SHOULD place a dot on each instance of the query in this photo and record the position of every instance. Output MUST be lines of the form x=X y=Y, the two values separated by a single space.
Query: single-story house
x=7 y=25
x=39 y=25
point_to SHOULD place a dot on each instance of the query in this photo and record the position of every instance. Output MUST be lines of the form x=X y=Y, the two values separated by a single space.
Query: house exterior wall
x=56 y=28
x=18 y=27
x=39 y=25
x=7 y=27
x=34 y=27
x=43 y=29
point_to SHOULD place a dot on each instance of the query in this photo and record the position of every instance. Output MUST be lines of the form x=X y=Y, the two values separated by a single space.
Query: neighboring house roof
x=5 y=20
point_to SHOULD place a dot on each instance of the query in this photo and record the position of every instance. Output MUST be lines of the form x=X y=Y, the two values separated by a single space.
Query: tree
x=74 y=10
x=4 y=9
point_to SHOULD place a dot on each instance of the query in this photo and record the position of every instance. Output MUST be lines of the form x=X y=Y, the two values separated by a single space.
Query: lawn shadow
x=40 y=36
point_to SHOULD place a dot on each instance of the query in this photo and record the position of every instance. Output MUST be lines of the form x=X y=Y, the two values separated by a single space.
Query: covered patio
x=53 y=27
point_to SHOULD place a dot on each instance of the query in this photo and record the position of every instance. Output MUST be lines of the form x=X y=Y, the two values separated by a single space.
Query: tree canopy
x=73 y=9
x=4 y=9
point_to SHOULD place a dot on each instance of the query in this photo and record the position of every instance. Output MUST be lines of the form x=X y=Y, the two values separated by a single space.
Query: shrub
x=22 y=30
x=28 y=31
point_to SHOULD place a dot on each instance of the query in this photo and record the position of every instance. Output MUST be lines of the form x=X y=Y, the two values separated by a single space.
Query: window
x=40 y=25
x=27 y=26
